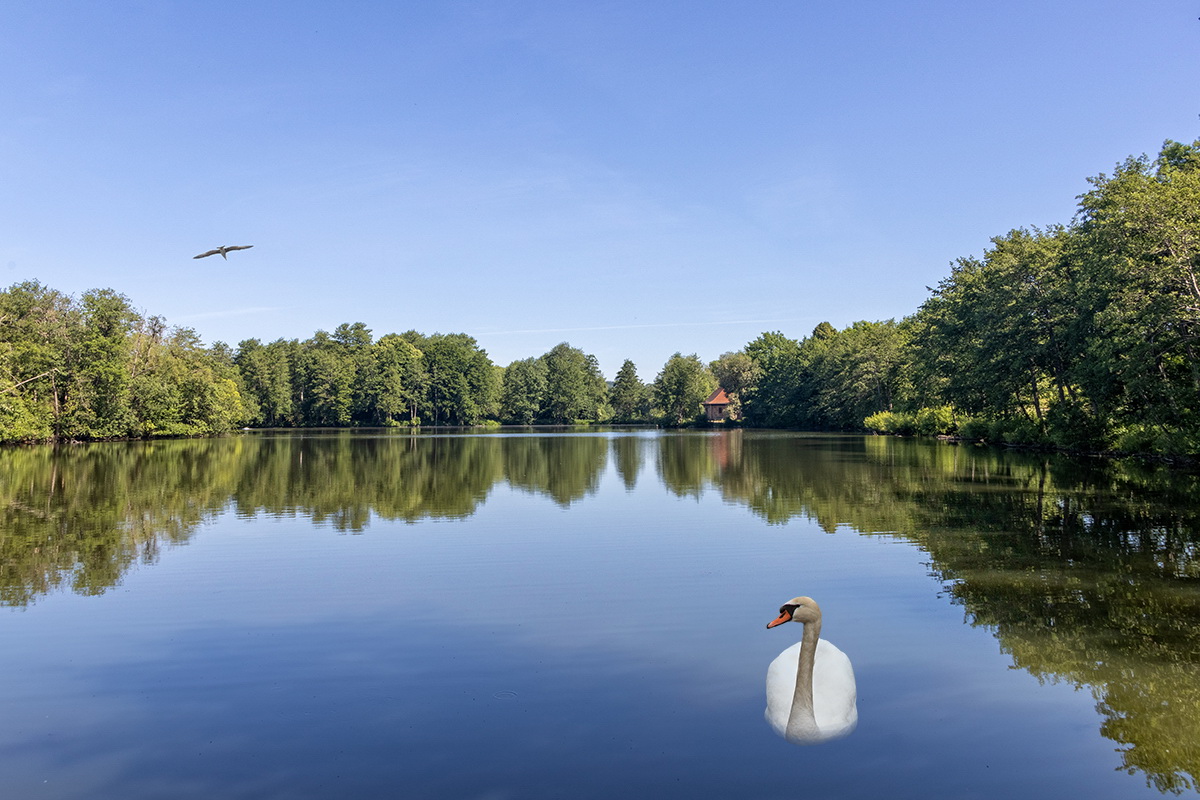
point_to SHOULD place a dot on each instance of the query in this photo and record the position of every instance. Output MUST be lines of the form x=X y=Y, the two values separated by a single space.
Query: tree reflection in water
x=1085 y=571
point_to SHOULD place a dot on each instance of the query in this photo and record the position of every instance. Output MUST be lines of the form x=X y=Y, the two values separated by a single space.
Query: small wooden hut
x=716 y=406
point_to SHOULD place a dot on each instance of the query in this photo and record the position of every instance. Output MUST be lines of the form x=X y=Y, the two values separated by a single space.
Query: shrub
x=1152 y=440
x=879 y=422
x=1015 y=430
x=890 y=422
x=19 y=422
x=1071 y=425
x=974 y=429
x=935 y=421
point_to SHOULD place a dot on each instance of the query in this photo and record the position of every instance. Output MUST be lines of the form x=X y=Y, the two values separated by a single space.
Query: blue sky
x=635 y=178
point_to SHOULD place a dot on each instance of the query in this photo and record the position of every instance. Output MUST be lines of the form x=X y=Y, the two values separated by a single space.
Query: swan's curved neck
x=802 y=719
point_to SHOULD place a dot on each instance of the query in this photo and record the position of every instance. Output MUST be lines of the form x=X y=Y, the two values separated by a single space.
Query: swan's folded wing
x=835 y=693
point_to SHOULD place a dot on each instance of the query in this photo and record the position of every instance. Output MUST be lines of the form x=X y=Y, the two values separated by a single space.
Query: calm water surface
x=537 y=615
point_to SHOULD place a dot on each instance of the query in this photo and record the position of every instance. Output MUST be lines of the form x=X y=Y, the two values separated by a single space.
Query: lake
x=582 y=613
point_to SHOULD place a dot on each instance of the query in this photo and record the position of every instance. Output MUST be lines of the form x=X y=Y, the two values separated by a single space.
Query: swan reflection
x=811 y=695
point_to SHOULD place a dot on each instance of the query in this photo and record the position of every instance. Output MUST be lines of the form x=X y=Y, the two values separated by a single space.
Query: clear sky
x=635 y=178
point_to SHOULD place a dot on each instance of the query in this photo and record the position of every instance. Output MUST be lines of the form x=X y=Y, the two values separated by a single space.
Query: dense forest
x=1081 y=336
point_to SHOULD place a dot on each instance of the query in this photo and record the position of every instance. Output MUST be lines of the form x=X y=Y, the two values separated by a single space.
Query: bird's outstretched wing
x=222 y=250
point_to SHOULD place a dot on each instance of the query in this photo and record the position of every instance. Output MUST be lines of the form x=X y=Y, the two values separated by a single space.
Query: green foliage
x=36 y=326
x=1072 y=425
x=463 y=387
x=523 y=391
x=1084 y=337
x=267 y=374
x=21 y=422
x=1139 y=251
x=575 y=389
x=98 y=403
x=1001 y=331
x=96 y=369
x=832 y=380
x=1015 y=430
x=853 y=373
x=327 y=375
x=681 y=387
x=779 y=398
x=395 y=381
x=974 y=429
x=180 y=388
x=563 y=386
x=925 y=421
x=736 y=373
x=630 y=397
x=935 y=421
x=891 y=422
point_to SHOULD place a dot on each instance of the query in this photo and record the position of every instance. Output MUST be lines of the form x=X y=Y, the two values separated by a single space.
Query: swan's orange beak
x=784 y=617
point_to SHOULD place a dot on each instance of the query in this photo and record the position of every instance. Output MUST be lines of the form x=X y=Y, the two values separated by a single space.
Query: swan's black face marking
x=785 y=615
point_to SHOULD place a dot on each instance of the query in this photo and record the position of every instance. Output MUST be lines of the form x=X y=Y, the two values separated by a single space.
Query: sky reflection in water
x=537 y=616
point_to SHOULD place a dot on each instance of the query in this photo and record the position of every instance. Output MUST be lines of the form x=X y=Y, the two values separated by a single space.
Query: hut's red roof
x=717 y=398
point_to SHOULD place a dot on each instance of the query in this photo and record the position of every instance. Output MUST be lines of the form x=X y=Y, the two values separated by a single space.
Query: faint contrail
x=640 y=325
x=233 y=312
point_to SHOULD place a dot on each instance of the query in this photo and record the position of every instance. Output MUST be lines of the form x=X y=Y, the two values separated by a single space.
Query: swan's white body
x=834 y=693
x=811 y=694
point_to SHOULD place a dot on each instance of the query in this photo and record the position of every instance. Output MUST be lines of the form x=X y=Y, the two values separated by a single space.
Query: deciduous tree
x=681 y=387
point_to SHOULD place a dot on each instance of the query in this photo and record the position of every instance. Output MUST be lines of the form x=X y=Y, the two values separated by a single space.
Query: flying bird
x=223 y=249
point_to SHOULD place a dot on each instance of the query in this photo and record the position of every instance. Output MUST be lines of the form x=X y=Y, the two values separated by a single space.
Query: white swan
x=811 y=694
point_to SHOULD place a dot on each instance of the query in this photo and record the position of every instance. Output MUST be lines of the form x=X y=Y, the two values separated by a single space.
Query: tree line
x=95 y=368
x=1081 y=335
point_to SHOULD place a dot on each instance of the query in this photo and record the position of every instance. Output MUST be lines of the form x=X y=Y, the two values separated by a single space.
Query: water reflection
x=629 y=456
x=811 y=693
x=1086 y=572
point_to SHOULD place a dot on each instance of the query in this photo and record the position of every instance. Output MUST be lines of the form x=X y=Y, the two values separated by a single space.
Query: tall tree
x=354 y=347
x=853 y=373
x=327 y=381
x=398 y=380
x=629 y=396
x=575 y=389
x=36 y=326
x=523 y=391
x=681 y=387
x=267 y=372
x=1140 y=232
x=779 y=398
x=1000 y=329
x=462 y=381
x=735 y=373
x=98 y=402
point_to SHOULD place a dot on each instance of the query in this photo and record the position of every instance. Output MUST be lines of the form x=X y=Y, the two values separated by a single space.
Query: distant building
x=716 y=405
